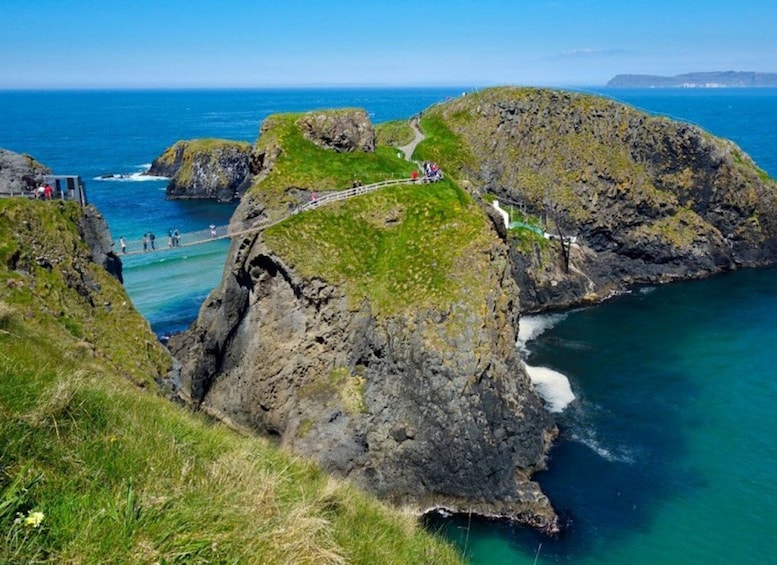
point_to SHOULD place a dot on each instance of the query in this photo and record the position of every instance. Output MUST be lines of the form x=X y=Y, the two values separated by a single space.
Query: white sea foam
x=138 y=176
x=132 y=177
x=588 y=438
x=552 y=386
x=531 y=327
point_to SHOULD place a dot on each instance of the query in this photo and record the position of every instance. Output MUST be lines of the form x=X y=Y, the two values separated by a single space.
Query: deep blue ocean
x=668 y=452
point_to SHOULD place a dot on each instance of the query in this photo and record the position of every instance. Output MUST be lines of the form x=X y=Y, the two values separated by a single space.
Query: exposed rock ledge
x=20 y=173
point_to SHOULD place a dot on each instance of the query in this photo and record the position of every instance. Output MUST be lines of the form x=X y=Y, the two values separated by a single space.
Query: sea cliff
x=377 y=335
x=648 y=199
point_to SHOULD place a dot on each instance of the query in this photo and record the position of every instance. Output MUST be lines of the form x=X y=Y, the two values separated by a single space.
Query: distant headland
x=715 y=79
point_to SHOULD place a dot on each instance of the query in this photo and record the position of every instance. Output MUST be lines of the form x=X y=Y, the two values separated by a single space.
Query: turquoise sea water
x=97 y=133
x=668 y=454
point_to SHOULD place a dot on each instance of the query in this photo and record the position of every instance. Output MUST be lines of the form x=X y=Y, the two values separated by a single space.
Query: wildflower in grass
x=34 y=519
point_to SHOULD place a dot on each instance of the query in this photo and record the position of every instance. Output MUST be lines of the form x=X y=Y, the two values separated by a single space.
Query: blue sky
x=242 y=43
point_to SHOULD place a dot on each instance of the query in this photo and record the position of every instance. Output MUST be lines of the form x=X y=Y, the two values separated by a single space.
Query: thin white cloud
x=588 y=52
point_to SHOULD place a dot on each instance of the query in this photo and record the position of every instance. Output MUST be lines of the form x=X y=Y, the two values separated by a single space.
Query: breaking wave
x=138 y=176
x=531 y=327
x=552 y=386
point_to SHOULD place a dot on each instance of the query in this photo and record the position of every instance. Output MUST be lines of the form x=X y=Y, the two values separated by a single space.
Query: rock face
x=19 y=173
x=399 y=405
x=425 y=404
x=205 y=168
x=343 y=131
x=93 y=229
x=649 y=199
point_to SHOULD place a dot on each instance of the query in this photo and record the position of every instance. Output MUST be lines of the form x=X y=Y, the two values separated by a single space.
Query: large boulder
x=343 y=131
x=205 y=168
x=20 y=173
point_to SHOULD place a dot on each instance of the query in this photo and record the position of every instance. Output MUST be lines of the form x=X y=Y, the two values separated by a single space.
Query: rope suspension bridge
x=216 y=233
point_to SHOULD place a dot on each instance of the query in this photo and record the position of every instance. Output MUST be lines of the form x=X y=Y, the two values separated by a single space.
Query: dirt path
x=417 y=138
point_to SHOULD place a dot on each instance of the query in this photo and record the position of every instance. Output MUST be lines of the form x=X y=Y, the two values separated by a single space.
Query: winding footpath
x=418 y=137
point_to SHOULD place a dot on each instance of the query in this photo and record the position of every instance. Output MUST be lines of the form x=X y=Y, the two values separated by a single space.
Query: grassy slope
x=303 y=164
x=402 y=247
x=122 y=475
x=394 y=134
x=563 y=162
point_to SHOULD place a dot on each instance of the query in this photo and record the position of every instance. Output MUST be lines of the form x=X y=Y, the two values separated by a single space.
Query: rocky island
x=377 y=335
x=714 y=79
x=204 y=168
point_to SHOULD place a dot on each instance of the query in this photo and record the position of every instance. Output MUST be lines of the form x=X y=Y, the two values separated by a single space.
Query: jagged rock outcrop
x=649 y=199
x=20 y=173
x=343 y=131
x=411 y=388
x=205 y=168
x=94 y=230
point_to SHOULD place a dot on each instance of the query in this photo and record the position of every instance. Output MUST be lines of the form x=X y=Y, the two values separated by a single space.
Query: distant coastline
x=715 y=79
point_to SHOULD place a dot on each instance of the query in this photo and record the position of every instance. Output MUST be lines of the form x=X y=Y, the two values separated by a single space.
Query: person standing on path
x=145 y=242
x=152 y=238
x=123 y=244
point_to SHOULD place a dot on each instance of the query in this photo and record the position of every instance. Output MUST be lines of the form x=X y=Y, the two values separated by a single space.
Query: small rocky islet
x=377 y=335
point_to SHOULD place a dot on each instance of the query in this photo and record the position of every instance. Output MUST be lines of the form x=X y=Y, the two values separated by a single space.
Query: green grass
x=443 y=146
x=394 y=134
x=401 y=248
x=303 y=164
x=122 y=475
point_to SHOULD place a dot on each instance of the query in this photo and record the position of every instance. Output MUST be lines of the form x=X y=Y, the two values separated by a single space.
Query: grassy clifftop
x=402 y=247
x=93 y=468
x=303 y=164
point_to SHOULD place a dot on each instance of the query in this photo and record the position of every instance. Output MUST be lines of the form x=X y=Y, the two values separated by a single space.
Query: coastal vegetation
x=403 y=248
x=301 y=163
x=97 y=465
x=394 y=134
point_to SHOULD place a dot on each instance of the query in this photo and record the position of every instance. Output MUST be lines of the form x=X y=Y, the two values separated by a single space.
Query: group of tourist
x=44 y=192
x=149 y=240
x=173 y=238
x=432 y=171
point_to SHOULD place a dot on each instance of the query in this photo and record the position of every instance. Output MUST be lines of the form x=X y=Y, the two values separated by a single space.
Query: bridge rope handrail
x=188 y=239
